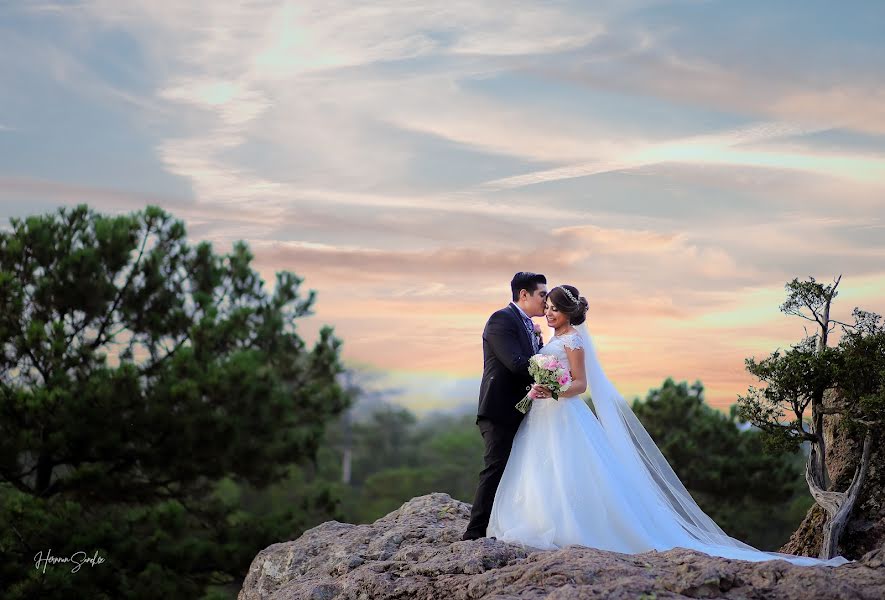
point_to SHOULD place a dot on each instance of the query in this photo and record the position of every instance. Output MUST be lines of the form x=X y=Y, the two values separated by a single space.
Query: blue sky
x=677 y=161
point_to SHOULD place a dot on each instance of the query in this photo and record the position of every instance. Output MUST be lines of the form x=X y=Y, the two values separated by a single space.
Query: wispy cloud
x=772 y=91
x=408 y=158
x=736 y=148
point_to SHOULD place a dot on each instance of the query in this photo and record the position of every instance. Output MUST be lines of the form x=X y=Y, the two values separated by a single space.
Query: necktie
x=531 y=331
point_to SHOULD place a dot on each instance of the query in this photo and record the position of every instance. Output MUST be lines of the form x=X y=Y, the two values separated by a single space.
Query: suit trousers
x=498 y=438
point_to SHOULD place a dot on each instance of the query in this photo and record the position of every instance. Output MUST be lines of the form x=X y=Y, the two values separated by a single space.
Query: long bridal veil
x=652 y=475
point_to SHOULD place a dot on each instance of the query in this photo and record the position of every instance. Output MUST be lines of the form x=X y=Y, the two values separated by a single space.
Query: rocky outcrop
x=416 y=552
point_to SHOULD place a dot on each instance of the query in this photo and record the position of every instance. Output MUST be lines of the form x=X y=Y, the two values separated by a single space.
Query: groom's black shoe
x=469 y=535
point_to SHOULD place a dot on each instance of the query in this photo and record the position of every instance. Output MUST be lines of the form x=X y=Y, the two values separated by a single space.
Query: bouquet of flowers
x=547 y=371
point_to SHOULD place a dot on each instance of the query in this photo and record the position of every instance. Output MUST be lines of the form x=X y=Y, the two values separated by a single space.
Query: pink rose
x=564 y=379
x=537 y=328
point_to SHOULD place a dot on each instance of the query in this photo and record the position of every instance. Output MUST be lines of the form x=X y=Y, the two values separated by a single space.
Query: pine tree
x=139 y=373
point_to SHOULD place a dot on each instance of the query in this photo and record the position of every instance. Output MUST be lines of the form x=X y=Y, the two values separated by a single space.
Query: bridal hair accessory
x=568 y=293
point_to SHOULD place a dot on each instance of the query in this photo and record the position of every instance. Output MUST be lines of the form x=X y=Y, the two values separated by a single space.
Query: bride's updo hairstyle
x=569 y=301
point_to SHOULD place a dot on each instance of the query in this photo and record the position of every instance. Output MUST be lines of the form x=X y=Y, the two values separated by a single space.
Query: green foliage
x=799 y=378
x=148 y=388
x=396 y=457
x=792 y=378
x=846 y=380
x=722 y=466
x=860 y=375
x=386 y=490
x=387 y=439
x=804 y=297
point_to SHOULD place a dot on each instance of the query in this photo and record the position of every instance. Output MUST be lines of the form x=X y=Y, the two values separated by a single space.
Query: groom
x=508 y=341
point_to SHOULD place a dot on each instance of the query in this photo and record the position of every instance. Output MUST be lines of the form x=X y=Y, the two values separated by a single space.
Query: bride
x=599 y=480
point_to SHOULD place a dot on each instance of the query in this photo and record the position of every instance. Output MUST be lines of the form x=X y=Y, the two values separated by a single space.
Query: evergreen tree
x=145 y=383
x=846 y=381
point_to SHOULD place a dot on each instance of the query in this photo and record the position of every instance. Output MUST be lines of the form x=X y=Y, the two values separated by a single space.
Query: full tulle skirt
x=563 y=485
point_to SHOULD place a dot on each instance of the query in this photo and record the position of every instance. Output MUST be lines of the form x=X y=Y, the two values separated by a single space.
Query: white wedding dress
x=573 y=478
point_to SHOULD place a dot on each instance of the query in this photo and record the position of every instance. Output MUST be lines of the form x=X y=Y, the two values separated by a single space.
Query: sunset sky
x=678 y=162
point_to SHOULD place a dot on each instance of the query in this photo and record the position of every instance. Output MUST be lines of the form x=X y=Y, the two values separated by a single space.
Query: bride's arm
x=578 y=371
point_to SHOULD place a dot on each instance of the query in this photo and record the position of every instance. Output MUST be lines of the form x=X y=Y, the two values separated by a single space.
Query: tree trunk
x=860 y=520
x=838 y=505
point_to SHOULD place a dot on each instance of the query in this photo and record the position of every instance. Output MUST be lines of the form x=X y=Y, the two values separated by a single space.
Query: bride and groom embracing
x=562 y=475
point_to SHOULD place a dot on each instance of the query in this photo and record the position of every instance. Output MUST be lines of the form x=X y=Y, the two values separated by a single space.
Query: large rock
x=416 y=552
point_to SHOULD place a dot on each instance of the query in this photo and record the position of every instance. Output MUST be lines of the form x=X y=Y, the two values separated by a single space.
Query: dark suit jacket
x=506 y=349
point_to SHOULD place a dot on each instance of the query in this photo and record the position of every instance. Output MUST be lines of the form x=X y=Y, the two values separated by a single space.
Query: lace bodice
x=559 y=343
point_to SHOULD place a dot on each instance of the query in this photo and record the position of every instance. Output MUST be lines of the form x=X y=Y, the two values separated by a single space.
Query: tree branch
x=97 y=342
x=836 y=321
x=814 y=312
x=151 y=368
x=76 y=330
x=799 y=314
x=37 y=365
x=24 y=543
x=17 y=484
